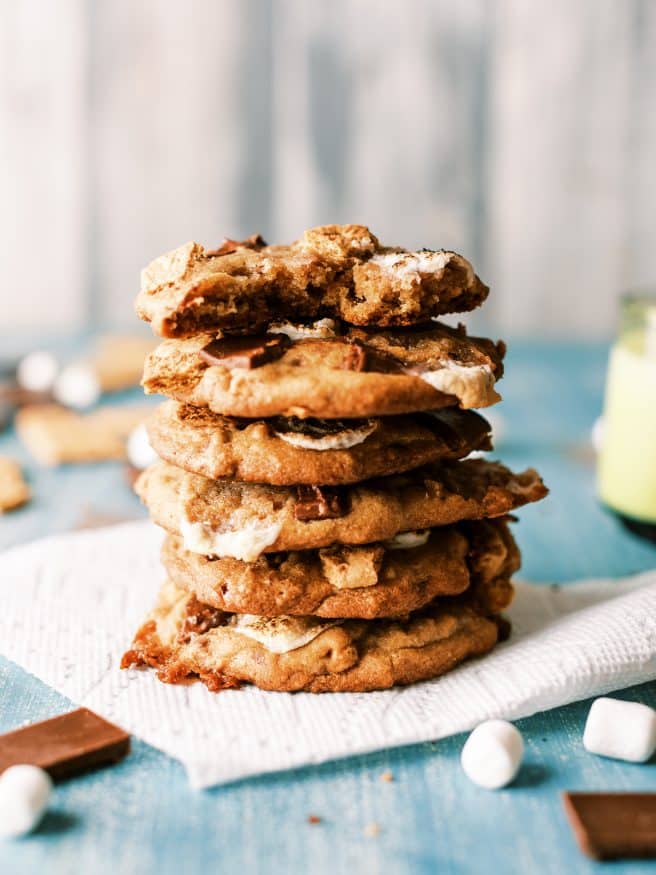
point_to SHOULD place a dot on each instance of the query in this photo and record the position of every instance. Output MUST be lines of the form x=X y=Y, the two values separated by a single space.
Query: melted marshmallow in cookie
x=321 y=329
x=340 y=440
x=280 y=634
x=410 y=265
x=246 y=544
x=468 y=383
x=408 y=540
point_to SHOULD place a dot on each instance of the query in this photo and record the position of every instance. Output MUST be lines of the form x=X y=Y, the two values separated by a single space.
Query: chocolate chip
x=316 y=428
x=245 y=352
x=362 y=357
x=320 y=503
x=255 y=241
x=613 y=826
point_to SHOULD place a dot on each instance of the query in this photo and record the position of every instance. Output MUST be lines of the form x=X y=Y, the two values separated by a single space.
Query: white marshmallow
x=140 y=453
x=408 y=540
x=24 y=794
x=622 y=730
x=77 y=386
x=36 y=372
x=597 y=434
x=497 y=426
x=492 y=754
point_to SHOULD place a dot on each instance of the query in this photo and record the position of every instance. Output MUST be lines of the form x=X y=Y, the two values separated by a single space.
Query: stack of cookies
x=326 y=530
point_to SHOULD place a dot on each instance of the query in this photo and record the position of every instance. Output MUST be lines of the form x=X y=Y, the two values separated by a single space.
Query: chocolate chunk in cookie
x=320 y=503
x=245 y=352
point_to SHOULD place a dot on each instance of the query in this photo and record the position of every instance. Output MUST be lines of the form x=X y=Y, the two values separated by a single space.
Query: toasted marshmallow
x=467 y=382
x=410 y=264
x=323 y=328
x=280 y=634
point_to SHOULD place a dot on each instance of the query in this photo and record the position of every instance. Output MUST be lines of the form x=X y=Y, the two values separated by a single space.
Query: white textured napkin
x=71 y=603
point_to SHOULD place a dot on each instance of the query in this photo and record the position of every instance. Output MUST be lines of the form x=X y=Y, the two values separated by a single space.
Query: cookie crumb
x=312 y=818
x=371 y=830
x=388 y=777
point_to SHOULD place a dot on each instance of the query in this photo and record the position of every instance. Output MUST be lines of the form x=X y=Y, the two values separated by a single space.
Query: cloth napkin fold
x=70 y=604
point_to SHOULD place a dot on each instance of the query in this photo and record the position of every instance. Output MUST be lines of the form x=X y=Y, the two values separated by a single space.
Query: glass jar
x=627 y=457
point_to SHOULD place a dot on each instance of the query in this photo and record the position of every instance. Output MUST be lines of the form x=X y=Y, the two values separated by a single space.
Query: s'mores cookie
x=288 y=451
x=326 y=530
x=345 y=373
x=243 y=520
x=388 y=579
x=339 y=271
x=184 y=639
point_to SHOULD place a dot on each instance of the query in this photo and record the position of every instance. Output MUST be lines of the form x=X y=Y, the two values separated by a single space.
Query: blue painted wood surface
x=142 y=817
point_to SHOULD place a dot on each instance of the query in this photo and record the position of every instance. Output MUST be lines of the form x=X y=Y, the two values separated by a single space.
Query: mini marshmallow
x=597 y=434
x=497 y=426
x=621 y=730
x=492 y=754
x=37 y=371
x=140 y=453
x=77 y=386
x=24 y=794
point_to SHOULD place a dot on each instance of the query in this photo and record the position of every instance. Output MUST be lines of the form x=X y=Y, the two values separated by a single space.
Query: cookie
x=286 y=451
x=14 y=491
x=184 y=639
x=243 y=520
x=340 y=271
x=336 y=376
x=55 y=435
x=366 y=582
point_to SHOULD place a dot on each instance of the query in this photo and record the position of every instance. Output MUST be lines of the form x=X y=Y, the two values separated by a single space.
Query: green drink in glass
x=627 y=458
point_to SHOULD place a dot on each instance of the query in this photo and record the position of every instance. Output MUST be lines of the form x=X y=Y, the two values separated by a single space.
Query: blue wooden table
x=142 y=817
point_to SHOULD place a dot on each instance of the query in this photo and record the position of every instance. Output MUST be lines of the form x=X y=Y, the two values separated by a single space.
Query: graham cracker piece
x=14 y=491
x=55 y=435
x=118 y=360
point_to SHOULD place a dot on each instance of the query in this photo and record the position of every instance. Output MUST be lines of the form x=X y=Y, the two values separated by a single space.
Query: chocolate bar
x=65 y=745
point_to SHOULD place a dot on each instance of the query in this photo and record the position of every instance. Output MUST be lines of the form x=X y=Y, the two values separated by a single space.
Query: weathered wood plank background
x=523 y=134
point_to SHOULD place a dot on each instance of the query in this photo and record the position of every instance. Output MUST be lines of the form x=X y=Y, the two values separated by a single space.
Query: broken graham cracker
x=55 y=435
x=613 y=826
x=14 y=491
x=118 y=360
x=65 y=745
